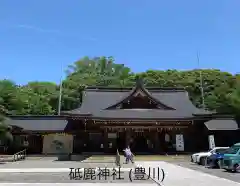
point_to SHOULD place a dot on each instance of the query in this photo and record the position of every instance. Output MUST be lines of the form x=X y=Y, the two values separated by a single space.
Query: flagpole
x=201 y=82
x=60 y=95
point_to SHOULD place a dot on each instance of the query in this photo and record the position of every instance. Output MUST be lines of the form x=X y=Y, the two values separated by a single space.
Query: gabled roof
x=97 y=100
x=138 y=89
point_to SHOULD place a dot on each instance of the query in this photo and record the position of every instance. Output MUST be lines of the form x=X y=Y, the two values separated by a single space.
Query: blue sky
x=38 y=36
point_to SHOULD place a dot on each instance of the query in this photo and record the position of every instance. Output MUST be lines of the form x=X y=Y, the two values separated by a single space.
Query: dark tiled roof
x=221 y=124
x=38 y=124
x=95 y=101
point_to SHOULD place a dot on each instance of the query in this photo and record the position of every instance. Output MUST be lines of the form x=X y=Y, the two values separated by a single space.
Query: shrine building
x=149 y=120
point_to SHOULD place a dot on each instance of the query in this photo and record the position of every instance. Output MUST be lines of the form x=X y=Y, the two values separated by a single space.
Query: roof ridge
x=107 y=90
x=128 y=89
x=166 y=90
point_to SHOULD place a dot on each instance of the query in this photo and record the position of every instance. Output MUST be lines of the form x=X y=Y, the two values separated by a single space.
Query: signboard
x=112 y=135
x=211 y=141
x=179 y=142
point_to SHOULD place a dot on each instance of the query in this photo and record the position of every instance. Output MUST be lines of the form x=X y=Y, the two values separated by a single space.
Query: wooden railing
x=20 y=155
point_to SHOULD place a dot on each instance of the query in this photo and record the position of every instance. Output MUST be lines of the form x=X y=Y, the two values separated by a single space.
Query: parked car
x=231 y=160
x=214 y=160
x=200 y=157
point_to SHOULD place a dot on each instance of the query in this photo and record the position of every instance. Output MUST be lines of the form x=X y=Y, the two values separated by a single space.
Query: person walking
x=129 y=155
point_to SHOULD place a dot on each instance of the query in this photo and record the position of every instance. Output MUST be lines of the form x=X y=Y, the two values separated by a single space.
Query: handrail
x=21 y=155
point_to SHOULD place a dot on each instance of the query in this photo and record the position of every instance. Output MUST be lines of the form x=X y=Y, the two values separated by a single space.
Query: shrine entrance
x=143 y=138
x=139 y=143
x=121 y=141
x=142 y=143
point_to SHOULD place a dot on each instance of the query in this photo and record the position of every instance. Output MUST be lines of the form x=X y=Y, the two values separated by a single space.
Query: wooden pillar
x=156 y=142
x=192 y=138
x=105 y=141
x=128 y=137
x=173 y=139
x=85 y=144
x=187 y=139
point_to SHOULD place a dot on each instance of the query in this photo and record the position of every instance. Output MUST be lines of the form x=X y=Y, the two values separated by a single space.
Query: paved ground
x=182 y=176
x=48 y=163
x=216 y=172
x=140 y=158
x=77 y=184
x=179 y=171
x=62 y=178
x=184 y=161
x=49 y=171
x=53 y=164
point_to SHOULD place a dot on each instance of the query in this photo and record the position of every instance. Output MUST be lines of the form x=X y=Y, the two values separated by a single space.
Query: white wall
x=49 y=146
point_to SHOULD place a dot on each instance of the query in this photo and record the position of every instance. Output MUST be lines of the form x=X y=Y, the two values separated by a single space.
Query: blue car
x=213 y=161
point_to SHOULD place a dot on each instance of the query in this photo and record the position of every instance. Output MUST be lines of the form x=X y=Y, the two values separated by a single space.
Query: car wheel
x=218 y=164
x=228 y=170
x=235 y=168
x=191 y=159
x=208 y=162
x=202 y=161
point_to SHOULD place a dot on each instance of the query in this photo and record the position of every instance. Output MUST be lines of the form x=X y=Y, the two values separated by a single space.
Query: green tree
x=9 y=97
x=34 y=103
x=5 y=131
x=221 y=89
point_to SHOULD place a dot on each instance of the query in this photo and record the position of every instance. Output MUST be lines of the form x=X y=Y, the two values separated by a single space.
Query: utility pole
x=60 y=95
x=201 y=82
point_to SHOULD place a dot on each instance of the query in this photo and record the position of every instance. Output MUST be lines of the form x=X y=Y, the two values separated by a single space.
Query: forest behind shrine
x=221 y=89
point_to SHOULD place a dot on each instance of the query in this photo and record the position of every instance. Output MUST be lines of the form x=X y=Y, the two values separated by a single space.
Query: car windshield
x=233 y=150
x=221 y=151
x=212 y=151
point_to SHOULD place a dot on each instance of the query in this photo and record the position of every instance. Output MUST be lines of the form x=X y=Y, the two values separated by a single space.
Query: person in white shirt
x=128 y=154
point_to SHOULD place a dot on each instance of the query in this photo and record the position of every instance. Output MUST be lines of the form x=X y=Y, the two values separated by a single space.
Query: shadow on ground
x=80 y=158
x=87 y=158
x=109 y=158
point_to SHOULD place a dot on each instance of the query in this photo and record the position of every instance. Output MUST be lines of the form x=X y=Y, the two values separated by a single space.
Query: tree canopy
x=221 y=89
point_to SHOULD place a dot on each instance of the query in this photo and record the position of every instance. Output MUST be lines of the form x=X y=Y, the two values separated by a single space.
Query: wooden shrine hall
x=149 y=120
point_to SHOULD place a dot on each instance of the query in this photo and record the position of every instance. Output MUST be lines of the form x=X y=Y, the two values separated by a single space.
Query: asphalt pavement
x=215 y=172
